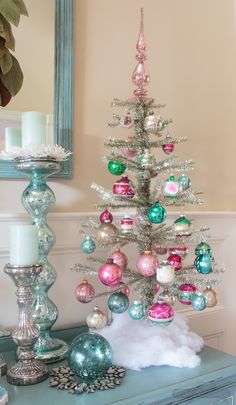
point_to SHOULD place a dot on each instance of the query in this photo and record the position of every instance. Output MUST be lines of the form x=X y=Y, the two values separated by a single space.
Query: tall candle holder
x=27 y=370
x=37 y=199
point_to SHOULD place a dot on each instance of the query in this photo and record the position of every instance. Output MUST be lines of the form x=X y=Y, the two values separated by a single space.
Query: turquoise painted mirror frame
x=63 y=88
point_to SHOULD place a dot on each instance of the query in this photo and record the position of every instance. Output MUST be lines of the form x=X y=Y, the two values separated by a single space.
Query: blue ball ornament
x=199 y=301
x=89 y=356
x=118 y=302
x=185 y=181
x=156 y=214
x=202 y=248
x=88 y=245
x=203 y=264
x=136 y=310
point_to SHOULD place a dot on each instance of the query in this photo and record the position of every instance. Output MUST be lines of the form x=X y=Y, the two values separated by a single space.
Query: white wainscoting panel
x=216 y=325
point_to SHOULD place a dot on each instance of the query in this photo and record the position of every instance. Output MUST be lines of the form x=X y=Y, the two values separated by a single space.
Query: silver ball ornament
x=96 y=319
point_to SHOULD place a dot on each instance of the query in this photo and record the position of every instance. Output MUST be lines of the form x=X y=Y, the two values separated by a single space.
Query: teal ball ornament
x=116 y=168
x=203 y=264
x=185 y=181
x=199 y=301
x=88 y=245
x=89 y=356
x=202 y=248
x=136 y=311
x=156 y=214
x=118 y=302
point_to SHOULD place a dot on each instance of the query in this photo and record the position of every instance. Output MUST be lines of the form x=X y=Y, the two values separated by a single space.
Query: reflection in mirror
x=47 y=85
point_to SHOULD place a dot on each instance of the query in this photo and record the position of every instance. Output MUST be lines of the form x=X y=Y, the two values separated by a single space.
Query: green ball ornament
x=116 y=168
x=203 y=264
x=156 y=214
x=118 y=302
x=89 y=356
x=88 y=245
x=202 y=248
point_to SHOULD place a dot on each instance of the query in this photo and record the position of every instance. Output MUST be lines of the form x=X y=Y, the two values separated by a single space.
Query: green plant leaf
x=14 y=78
x=6 y=33
x=3 y=49
x=6 y=62
x=12 y=10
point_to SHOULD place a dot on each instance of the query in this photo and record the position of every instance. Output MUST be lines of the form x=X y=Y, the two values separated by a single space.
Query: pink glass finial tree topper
x=140 y=77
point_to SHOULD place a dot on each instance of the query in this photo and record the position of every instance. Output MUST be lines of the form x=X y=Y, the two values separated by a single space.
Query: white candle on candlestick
x=12 y=138
x=33 y=128
x=24 y=245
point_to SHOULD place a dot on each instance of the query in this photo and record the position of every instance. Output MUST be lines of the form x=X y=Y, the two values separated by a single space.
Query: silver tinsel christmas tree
x=160 y=277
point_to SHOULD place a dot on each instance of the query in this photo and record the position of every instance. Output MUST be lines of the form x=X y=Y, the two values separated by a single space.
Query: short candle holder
x=27 y=370
x=37 y=199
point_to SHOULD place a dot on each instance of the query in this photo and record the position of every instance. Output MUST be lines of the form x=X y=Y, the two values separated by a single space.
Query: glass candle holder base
x=27 y=373
x=50 y=350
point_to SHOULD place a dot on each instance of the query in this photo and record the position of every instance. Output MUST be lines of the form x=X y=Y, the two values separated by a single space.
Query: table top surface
x=138 y=387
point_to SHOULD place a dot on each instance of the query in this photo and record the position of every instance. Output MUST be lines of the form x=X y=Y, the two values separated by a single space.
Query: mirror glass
x=44 y=49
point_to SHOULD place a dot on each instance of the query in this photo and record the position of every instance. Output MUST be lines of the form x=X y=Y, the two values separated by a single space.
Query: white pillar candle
x=24 y=245
x=33 y=128
x=12 y=138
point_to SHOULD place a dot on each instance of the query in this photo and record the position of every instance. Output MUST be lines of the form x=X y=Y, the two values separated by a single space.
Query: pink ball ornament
x=106 y=216
x=84 y=292
x=129 y=152
x=122 y=187
x=119 y=258
x=186 y=293
x=125 y=289
x=161 y=313
x=158 y=249
x=110 y=274
x=176 y=261
x=147 y=264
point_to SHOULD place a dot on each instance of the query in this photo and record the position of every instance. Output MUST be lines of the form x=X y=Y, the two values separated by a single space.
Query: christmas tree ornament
x=136 y=311
x=88 y=245
x=116 y=168
x=146 y=159
x=198 y=301
x=127 y=121
x=156 y=214
x=186 y=293
x=165 y=273
x=96 y=319
x=119 y=258
x=147 y=264
x=203 y=248
x=122 y=187
x=167 y=296
x=129 y=152
x=84 y=292
x=182 y=226
x=127 y=224
x=156 y=288
x=105 y=232
x=168 y=146
x=118 y=302
x=152 y=124
x=125 y=289
x=161 y=313
x=211 y=297
x=110 y=274
x=159 y=250
x=171 y=187
x=185 y=181
x=89 y=356
x=106 y=217
x=140 y=76
x=182 y=251
x=175 y=261
x=203 y=264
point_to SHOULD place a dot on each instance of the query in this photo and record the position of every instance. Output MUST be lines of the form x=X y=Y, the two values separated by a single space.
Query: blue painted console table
x=213 y=382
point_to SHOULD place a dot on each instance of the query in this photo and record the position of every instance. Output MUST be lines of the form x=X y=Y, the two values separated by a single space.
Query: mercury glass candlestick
x=27 y=370
x=37 y=199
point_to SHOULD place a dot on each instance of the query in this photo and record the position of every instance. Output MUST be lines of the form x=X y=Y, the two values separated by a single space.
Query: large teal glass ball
x=89 y=356
x=203 y=264
x=118 y=302
x=116 y=168
x=156 y=214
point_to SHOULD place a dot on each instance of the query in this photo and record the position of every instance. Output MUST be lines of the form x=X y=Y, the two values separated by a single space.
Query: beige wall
x=192 y=62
